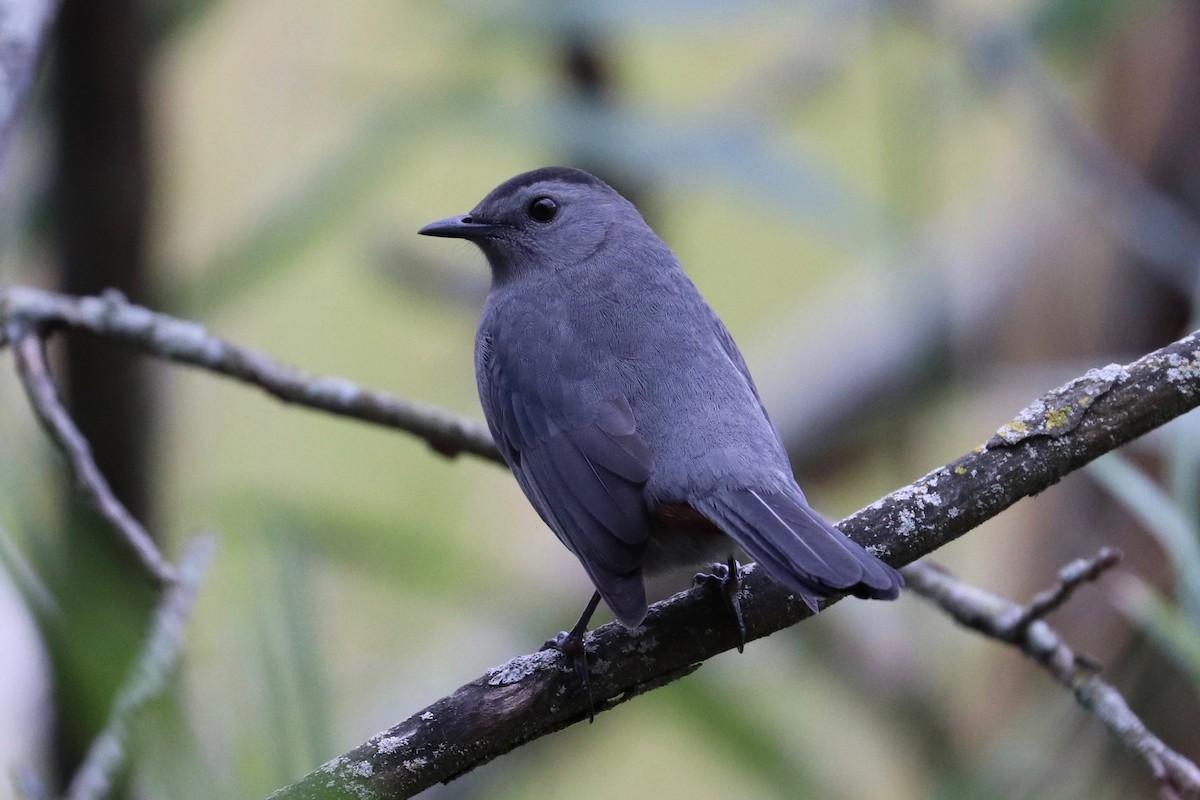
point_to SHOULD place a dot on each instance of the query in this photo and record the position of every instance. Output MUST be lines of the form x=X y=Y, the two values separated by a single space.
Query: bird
x=627 y=414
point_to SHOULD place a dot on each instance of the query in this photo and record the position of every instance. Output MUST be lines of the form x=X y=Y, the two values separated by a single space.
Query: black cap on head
x=554 y=174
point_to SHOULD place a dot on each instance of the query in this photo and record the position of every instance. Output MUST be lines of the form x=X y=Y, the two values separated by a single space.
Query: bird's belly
x=683 y=538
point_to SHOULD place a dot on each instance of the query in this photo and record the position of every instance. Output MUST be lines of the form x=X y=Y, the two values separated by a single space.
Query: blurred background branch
x=107 y=754
x=1024 y=628
x=113 y=317
x=24 y=25
x=160 y=653
x=28 y=352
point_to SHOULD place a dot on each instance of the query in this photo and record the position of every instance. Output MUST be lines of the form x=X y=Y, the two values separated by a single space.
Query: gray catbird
x=625 y=410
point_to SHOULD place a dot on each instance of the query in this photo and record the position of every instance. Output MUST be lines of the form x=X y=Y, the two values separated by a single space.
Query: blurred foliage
x=1080 y=24
x=1160 y=514
x=1170 y=629
x=790 y=153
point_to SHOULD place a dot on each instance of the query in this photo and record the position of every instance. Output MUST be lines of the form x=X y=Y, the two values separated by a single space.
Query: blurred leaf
x=1159 y=514
x=1081 y=24
x=710 y=707
x=1163 y=624
x=34 y=593
x=297 y=692
x=389 y=550
x=413 y=556
x=617 y=14
x=733 y=150
x=167 y=19
x=321 y=202
x=1183 y=451
x=173 y=766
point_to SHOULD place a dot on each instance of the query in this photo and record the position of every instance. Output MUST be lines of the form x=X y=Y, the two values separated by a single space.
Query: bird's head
x=544 y=220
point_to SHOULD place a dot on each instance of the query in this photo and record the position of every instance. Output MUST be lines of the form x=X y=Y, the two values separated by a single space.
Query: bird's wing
x=733 y=354
x=796 y=547
x=583 y=471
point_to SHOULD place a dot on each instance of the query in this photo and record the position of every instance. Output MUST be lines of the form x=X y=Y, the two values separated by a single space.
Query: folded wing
x=584 y=472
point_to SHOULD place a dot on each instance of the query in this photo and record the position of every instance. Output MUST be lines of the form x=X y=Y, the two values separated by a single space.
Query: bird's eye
x=543 y=209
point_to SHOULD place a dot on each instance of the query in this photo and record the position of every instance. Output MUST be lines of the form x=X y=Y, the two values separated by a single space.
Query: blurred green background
x=914 y=217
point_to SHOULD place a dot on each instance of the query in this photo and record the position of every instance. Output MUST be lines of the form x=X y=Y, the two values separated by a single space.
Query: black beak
x=458 y=228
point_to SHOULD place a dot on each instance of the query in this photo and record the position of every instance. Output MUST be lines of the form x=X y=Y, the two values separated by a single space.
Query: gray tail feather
x=797 y=547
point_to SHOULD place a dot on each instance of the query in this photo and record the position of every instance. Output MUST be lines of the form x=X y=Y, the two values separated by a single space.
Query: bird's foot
x=571 y=645
x=728 y=578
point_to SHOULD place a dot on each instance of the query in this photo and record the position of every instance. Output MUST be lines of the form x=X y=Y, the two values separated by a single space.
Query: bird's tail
x=797 y=547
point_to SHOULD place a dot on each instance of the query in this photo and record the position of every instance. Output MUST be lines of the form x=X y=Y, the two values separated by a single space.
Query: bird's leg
x=570 y=644
x=728 y=578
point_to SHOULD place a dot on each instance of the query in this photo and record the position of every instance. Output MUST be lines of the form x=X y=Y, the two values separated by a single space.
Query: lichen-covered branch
x=113 y=317
x=537 y=694
x=1024 y=628
x=30 y=356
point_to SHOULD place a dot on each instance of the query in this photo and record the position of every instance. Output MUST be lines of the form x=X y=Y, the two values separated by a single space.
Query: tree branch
x=113 y=317
x=536 y=694
x=30 y=356
x=1070 y=578
x=533 y=695
x=23 y=28
x=164 y=643
x=1023 y=627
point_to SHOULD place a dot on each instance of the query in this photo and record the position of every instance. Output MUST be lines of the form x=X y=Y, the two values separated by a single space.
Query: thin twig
x=1070 y=578
x=1022 y=627
x=113 y=317
x=145 y=681
x=30 y=356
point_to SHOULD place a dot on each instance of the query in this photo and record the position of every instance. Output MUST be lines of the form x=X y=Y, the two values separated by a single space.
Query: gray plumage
x=622 y=404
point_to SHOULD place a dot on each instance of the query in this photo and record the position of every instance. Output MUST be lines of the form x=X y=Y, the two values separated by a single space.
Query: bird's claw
x=728 y=578
x=571 y=645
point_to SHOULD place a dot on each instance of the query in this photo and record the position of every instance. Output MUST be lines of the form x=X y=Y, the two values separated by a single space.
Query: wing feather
x=583 y=469
x=796 y=546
